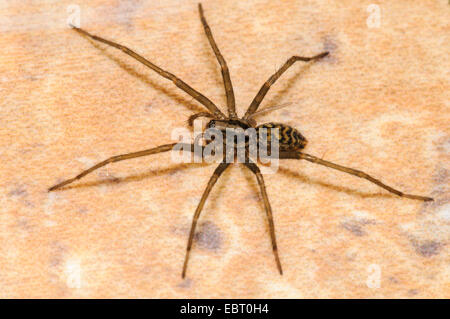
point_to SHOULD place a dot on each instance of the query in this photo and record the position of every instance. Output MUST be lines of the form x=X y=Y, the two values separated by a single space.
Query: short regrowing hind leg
x=219 y=170
x=266 y=86
x=255 y=169
x=313 y=159
x=155 y=150
x=177 y=81
x=223 y=65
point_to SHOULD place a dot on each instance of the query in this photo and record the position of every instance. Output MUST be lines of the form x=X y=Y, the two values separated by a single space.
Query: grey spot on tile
x=185 y=283
x=126 y=11
x=440 y=191
x=208 y=236
x=146 y=270
x=444 y=146
x=330 y=45
x=21 y=194
x=356 y=227
x=149 y=108
x=19 y=191
x=393 y=280
x=427 y=248
x=413 y=292
x=28 y=203
x=55 y=261
x=441 y=175
x=82 y=210
x=24 y=223
x=286 y=116
x=58 y=252
x=254 y=197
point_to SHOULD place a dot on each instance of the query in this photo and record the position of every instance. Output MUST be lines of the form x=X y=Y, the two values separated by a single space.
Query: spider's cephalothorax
x=234 y=129
x=291 y=142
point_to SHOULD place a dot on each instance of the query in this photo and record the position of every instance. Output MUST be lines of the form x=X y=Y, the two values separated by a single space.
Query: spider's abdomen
x=289 y=138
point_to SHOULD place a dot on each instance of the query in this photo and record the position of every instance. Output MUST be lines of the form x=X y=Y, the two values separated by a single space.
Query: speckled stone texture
x=379 y=103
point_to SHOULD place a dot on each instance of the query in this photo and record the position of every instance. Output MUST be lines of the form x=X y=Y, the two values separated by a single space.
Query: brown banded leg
x=266 y=86
x=223 y=65
x=155 y=150
x=255 y=169
x=313 y=159
x=177 y=81
x=219 y=170
x=193 y=117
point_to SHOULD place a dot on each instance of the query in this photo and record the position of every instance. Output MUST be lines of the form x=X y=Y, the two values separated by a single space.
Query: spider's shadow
x=334 y=187
x=145 y=79
x=136 y=177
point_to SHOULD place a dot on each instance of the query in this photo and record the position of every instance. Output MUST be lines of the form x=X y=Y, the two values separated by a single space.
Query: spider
x=291 y=141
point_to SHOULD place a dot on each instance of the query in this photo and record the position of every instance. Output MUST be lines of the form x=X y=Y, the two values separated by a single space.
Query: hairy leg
x=219 y=170
x=117 y=158
x=223 y=66
x=266 y=86
x=177 y=81
x=255 y=169
x=313 y=159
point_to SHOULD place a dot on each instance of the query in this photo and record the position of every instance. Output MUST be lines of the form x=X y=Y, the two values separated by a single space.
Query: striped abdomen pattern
x=288 y=137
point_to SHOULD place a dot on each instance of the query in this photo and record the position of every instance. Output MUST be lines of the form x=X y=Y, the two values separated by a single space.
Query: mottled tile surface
x=379 y=102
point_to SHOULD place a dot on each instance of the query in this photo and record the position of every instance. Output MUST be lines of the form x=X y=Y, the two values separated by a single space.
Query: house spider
x=291 y=142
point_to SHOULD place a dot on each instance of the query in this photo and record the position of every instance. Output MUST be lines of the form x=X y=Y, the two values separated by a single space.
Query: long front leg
x=266 y=86
x=313 y=159
x=255 y=169
x=219 y=170
x=223 y=66
x=177 y=81
x=155 y=150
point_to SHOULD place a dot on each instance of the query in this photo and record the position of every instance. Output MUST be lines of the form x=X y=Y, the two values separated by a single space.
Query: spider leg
x=266 y=86
x=313 y=159
x=255 y=169
x=219 y=170
x=193 y=117
x=223 y=65
x=269 y=109
x=178 y=82
x=155 y=150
